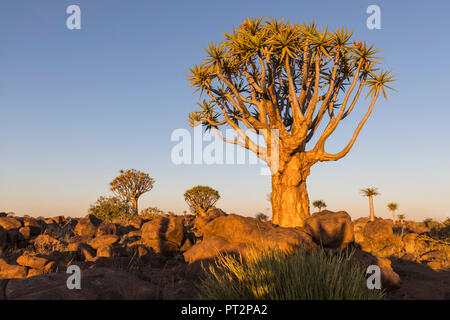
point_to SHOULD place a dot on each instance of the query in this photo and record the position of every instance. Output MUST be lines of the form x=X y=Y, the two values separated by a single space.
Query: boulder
x=164 y=228
x=388 y=251
x=15 y=238
x=211 y=247
x=136 y=222
x=105 y=251
x=9 y=271
x=25 y=232
x=81 y=250
x=163 y=247
x=390 y=280
x=9 y=223
x=34 y=272
x=238 y=229
x=96 y=284
x=215 y=213
x=211 y=214
x=377 y=235
x=87 y=227
x=35 y=225
x=3 y=238
x=45 y=242
x=106 y=228
x=416 y=227
x=87 y=252
x=32 y=261
x=409 y=240
x=105 y=240
x=131 y=237
x=330 y=229
x=59 y=220
x=186 y=245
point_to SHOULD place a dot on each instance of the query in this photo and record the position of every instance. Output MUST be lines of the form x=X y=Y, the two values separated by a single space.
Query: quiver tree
x=319 y=204
x=401 y=217
x=370 y=193
x=131 y=185
x=393 y=207
x=286 y=83
x=200 y=199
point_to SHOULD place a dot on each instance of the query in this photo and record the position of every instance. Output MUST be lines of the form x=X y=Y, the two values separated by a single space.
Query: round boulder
x=330 y=229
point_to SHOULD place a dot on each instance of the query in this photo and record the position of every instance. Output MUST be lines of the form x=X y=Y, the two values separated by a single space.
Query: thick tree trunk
x=290 y=202
x=372 y=215
x=135 y=205
x=393 y=216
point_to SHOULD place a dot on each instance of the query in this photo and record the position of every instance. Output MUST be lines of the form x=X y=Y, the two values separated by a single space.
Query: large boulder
x=377 y=235
x=211 y=214
x=330 y=229
x=96 y=284
x=170 y=229
x=87 y=227
x=238 y=229
x=9 y=223
x=210 y=248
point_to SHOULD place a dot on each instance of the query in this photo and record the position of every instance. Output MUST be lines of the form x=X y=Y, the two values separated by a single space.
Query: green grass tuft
x=269 y=274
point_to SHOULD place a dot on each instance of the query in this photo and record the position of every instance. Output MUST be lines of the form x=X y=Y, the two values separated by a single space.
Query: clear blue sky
x=77 y=106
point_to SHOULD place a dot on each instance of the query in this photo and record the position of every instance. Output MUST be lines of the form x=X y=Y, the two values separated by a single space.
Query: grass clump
x=269 y=274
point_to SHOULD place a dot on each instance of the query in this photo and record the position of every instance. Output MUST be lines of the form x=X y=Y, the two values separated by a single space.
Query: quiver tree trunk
x=290 y=201
x=134 y=202
x=372 y=214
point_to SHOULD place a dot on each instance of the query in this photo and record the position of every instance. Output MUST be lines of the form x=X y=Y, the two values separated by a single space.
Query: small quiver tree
x=200 y=199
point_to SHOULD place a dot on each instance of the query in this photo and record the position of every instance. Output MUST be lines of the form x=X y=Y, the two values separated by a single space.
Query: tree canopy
x=201 y=198
x=131 y=184
x=278 y=75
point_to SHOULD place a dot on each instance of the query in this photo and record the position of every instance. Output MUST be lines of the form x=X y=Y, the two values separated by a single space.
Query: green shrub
x=111 y=208
x=200 y=199
x=151 y=213
x=271 y=275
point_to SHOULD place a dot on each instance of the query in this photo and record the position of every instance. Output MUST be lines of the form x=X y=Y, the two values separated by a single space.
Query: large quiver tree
x=281 y=81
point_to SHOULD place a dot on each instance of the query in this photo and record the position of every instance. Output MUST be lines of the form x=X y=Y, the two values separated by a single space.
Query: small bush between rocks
x=107 y=209
x=151 y=213
x=271 y=275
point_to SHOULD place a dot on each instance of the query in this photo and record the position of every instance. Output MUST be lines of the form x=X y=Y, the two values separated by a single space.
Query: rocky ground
x=161 y=258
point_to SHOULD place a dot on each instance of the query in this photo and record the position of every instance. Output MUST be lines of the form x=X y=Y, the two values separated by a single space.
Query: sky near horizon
x=76 y=106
